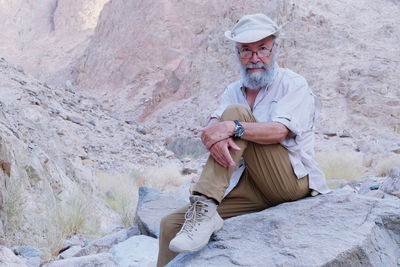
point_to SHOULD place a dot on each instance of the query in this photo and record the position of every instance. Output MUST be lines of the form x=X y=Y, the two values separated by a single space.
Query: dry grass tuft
x=121 y=190
x=165 y=179
x=54 y=223
x=15 y=207
x=346 y=165
x=384 y=165
x=73 y=216
x=120 y=193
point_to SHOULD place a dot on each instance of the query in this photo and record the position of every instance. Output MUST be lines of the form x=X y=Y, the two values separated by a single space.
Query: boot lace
x=193 y=216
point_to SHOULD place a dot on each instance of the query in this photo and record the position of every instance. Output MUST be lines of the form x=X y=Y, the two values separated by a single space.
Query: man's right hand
x=220 y=152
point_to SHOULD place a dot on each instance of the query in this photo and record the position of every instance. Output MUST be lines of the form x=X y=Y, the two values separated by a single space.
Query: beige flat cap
x=252 y=28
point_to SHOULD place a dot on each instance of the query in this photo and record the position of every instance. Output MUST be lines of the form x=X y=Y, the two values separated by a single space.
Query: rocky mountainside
x=51 y=144
x=46 y=36
x=116 y=86
x=166 y=63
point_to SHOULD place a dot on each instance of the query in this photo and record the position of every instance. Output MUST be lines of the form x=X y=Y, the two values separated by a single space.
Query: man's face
x=265 y=43
x=256 y=63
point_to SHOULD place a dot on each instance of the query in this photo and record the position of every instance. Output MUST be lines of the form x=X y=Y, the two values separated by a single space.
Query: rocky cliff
x=165 y=61
x=121 y=85
x=51 y=143
x=45 y=37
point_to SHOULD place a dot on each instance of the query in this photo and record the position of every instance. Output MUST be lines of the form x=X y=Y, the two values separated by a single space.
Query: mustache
x=258 y=65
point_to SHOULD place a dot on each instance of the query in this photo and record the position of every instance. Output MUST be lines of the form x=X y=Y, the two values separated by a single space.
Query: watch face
x=239 y=130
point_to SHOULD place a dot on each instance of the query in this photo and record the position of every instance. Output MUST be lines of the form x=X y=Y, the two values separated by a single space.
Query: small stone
x=374 y=187
x=74 y=119
x=141 y=130
x=349 y=188
x=27 y=251
x=54 y=111
x=130 y=122
x=375 y=193
x=187 y=171
x=394 y=172
x=30 y=255
x=110 y=195
x=70 y=252
x=115 y=116
x=186 y=159
x=391 y=184
x=69 y=86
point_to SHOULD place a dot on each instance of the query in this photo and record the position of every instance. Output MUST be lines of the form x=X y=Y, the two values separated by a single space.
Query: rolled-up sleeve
x=296 y=109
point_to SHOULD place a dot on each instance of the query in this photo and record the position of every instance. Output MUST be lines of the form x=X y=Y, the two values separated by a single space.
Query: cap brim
x=250 y=36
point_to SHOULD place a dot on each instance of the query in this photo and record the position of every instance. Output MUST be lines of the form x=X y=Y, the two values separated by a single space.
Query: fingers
x=214 y=133
x=220 y=152
x=232 y=144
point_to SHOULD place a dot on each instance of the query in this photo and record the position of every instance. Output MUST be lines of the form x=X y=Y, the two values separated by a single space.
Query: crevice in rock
x=52 y=24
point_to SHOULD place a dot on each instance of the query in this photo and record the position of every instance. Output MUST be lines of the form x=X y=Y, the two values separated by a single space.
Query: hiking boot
x=201 y=220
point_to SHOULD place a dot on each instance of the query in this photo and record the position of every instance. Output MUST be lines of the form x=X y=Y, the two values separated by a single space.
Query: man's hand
x=220 y=152
x=216 y=131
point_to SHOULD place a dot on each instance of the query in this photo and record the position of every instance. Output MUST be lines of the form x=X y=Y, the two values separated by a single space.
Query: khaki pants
x=268 y=180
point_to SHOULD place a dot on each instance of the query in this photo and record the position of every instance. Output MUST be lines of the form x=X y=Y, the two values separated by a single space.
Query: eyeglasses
x=262 y=52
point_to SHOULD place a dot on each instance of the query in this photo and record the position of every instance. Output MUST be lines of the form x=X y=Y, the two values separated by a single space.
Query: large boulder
x=391 y=185
x=136 y=251
x=98 y=260
x=28 y=254
x=105 y=243
x=338 y=229
x=8 y=258
x=152 y=206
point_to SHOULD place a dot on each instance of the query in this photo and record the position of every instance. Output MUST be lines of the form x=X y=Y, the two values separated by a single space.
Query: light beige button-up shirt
x=287 y=100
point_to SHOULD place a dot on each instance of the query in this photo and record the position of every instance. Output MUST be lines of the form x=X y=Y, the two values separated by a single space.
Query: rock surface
x=354 y=80
x=8 y=258
x=30 y=255
x=115 y=67
x=46 y=37
x=98 y=260
x=137 y=251
x=105 y=243
x=152 y=206
x=337 y=229
x=102 y=49
x=391 y=185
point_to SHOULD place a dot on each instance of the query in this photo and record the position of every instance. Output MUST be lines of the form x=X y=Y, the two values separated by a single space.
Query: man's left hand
x=216 y=132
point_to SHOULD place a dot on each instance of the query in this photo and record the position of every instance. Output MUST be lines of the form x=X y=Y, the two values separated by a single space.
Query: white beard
x=258 y=79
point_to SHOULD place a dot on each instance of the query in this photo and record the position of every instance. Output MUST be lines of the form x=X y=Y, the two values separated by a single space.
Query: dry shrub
x=344 y=164
x=166 y=178
x=54 y=223
x=72 y=216
x=15 y=207
x=120 y=193
x=121 y=189
x=384 y=165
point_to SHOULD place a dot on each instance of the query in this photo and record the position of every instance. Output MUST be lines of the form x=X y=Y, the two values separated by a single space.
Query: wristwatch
x=239 y=130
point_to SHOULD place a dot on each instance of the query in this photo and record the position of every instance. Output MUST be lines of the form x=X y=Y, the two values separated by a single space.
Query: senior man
x=260 y=140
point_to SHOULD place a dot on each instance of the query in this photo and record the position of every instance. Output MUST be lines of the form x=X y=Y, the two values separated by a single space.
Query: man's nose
x=254 y=58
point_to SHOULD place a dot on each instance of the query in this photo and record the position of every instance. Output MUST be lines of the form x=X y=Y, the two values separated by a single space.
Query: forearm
x=264 y=132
